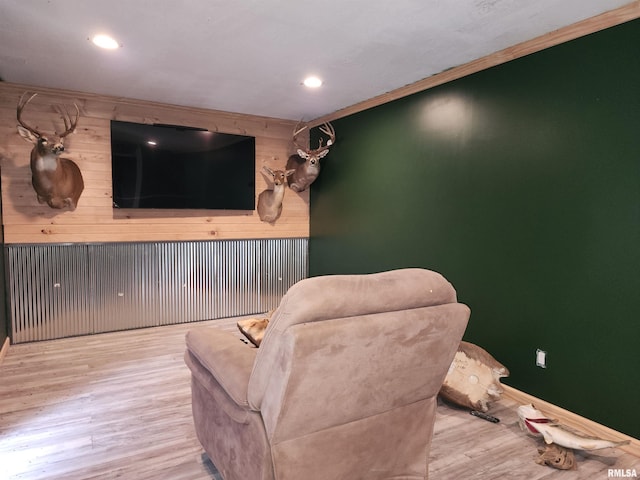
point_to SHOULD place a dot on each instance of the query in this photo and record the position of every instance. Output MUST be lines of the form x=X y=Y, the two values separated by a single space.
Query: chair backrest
x=344 y=347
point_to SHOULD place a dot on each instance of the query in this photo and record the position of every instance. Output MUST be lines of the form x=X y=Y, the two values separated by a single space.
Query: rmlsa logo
x=622 y=473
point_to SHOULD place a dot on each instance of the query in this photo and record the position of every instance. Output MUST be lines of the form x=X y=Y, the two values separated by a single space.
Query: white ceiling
x=250 y=56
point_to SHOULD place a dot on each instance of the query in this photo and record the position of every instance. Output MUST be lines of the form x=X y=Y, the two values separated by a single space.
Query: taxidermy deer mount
x=57 y=181
x=307 y=162
x=270 y=201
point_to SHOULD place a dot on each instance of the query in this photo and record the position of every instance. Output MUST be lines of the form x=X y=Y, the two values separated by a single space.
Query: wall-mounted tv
x=176 y=167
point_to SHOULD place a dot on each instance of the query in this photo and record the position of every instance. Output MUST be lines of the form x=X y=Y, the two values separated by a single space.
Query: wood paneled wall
x=94 y=220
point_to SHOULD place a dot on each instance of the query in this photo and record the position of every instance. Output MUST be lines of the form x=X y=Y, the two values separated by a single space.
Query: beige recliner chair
x=343 y=386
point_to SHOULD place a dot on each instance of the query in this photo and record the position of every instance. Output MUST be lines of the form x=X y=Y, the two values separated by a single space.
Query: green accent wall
x=521 y=185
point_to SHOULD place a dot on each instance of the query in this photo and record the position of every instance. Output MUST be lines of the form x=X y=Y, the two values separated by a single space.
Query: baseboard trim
x=573 y=420
x=4 y=349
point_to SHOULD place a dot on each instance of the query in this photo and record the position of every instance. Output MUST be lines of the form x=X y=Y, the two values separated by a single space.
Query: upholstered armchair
x=343 y=386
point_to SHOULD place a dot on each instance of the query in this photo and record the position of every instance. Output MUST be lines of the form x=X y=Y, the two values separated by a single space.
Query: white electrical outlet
x=541 y=358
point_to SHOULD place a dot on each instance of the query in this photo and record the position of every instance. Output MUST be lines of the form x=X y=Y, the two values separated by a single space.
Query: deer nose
x=58 y=149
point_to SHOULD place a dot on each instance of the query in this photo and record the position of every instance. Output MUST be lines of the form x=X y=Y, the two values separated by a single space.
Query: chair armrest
x=226 y=358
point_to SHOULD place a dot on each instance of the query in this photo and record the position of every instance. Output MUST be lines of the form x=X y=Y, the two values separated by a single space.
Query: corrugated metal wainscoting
x=77 y=289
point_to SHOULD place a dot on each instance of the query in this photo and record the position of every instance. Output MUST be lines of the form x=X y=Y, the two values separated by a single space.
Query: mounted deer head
x=57 y=181
x=270 y=201
x=307 y=162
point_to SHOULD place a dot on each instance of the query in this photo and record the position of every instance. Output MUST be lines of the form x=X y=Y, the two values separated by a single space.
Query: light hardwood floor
x=118 y=405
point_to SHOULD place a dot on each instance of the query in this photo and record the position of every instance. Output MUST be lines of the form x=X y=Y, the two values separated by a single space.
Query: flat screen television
x=176 y=167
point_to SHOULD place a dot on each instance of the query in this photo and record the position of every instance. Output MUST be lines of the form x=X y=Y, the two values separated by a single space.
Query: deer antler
x=297 y=130
x=328 y=130
x=21 y=105
x=69 y=125
x=325 y=128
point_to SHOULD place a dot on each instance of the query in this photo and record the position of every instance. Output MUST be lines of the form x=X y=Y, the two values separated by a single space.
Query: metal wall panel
x=77 y=289
x=280 y=268
x=47 y=293
x=123 y=284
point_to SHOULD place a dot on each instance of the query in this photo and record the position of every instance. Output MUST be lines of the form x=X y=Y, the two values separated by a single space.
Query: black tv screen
x=175 y=167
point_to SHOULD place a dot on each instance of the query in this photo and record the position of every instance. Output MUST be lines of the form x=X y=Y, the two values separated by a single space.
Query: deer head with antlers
x=57 y=181
x=307 y=162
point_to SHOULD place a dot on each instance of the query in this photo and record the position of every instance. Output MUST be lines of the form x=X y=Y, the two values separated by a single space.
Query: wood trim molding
x=571 y=32
x=573 y=420
x=4 y=349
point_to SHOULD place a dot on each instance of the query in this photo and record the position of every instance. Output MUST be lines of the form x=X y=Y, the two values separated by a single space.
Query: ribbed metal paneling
x=123 y=282
x=47 y=292
x=65 y=290
x=280 y=268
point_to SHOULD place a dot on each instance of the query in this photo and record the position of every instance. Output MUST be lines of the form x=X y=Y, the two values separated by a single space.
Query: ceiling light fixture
x=105 y=41
x=312 y=82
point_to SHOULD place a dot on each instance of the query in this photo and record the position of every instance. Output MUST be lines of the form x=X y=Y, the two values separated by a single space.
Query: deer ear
x=289 y=172
x=303 y=154
x=268 y=170
x=27 y=135
x=323 y=154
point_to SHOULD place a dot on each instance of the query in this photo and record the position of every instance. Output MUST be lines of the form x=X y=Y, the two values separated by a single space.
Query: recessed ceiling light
x=105 y=41
x=152 y=142
x=312 y=82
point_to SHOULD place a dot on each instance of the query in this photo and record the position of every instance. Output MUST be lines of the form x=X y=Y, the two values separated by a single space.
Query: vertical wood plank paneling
x=95 y=220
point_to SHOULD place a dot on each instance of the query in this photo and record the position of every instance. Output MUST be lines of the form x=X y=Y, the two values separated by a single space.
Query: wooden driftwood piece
x=254 y=328
x=557 y=457
x=473 y=380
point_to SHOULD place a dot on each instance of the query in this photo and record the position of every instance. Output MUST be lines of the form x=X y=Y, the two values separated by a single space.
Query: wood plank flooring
x=117 y=405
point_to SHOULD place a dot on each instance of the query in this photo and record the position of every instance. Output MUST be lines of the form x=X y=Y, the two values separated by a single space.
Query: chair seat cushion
x=226 y=358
